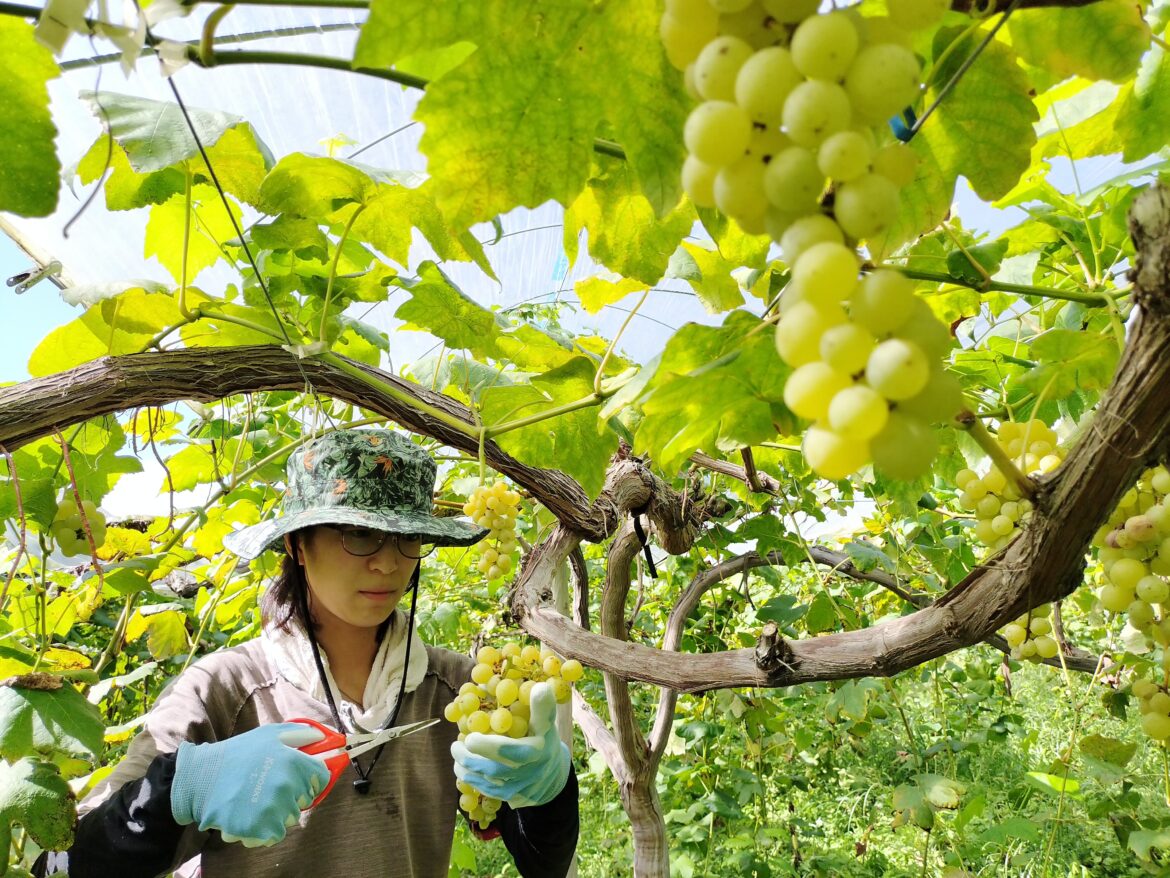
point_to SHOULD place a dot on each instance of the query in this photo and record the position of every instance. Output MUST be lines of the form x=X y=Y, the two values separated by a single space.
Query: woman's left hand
x=520 y=771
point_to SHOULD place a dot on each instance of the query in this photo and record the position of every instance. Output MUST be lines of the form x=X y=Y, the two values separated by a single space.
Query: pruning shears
x=337 y=750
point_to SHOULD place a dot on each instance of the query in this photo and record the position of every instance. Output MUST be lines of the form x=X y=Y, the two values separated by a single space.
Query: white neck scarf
x=292 y=655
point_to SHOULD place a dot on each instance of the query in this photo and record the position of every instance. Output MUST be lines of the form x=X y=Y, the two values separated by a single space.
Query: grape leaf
x=1109 y=750
x=924 y=203
x=32 y=171
x=597 y=292
x=1143 y=117
x=982 y=130
x=209 y=228
x=1104 y=40
x=154 y=134
x=439 y=307
x=35 y=795
x=514 y=124
x=709 y=275
x=569 y=442
x=715 y=387
x=47 y=721
x=1071 y=361
x=624 y=233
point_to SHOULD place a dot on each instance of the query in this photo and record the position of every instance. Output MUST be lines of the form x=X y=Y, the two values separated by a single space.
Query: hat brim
x=251 y=542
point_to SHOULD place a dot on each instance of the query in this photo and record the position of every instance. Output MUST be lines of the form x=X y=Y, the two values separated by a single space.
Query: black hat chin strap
x=362 y=784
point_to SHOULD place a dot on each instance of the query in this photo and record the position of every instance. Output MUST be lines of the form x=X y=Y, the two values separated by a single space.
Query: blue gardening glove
x=250 y=787
x=520 y=771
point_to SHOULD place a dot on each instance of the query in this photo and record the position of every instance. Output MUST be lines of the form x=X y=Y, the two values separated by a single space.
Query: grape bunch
x=1154 y=704
x=495 y=507
x=1134 y=552
x=792 y=108
x=995 y=499
x=1030 y=636
x=867 y=359
x=69 y=531
x=495 y=701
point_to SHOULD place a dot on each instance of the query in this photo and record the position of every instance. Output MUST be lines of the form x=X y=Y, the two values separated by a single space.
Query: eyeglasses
x=365 y=541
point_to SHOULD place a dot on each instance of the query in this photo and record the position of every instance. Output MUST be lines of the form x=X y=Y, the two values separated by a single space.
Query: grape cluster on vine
x=1030 y=636
x=999 y=507
x=790 y=138
x=1154 y=705
x=867 y=366
x=68 y=529
x=496 y=701
x=495 y=507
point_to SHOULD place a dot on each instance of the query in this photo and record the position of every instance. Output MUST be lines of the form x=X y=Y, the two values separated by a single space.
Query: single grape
x=883 y=301
x=897 y=162
x=824 y=46
x=777 y=222
x=858 y=412
x=1152 y=589
x=905 y=449
x=924 y=329
x=897 y=369
x=831 y=455
x=814 y=110
x=938 y=402
x=501 y=720
x=763 y=84
x=697 y=13
x=480 y=722
x=571 y=671
x=826 y=271
x=792 y=180
x=718 y=65
x=844 y=156
x=811 y=387
x=754 y=26
x=717 y=132
x=683 y=39
x=867 y=206
x=698 y=180
x=1126 y=573
x=790 y=11
x=882 y=81
x=846 y=348
x=739 y=188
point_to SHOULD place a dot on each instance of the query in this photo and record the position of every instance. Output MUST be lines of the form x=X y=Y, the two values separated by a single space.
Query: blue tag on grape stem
x=903 y=126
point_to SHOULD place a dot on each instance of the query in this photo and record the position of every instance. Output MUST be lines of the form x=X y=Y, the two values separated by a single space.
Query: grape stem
x=1093 y=299
x=969 y=421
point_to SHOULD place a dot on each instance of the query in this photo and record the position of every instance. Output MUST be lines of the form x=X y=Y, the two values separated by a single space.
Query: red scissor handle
x=331 y=742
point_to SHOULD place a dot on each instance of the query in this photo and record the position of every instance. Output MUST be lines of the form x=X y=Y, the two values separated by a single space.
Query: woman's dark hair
x=286 y=602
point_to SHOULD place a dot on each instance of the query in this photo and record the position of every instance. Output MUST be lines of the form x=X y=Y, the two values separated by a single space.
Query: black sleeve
x=542 y=839
x=132 y=834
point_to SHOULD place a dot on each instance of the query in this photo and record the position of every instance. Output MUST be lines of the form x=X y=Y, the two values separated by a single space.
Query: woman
x=215 y=772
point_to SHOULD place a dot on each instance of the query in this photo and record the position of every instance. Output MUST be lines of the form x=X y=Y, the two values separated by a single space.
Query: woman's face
x=347 y=591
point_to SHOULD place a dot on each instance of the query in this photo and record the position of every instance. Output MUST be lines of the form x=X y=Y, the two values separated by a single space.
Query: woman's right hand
x=250 y=787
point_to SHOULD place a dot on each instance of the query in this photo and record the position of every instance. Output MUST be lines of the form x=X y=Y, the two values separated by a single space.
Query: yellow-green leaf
x=209 y=227
x=28 y=155
x=597 y=292
x=1104 y=40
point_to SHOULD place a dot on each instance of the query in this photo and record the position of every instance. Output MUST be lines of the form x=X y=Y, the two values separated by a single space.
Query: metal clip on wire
x=26 y=280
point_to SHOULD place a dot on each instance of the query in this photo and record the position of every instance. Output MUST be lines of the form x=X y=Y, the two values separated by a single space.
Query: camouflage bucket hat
x=374 y=478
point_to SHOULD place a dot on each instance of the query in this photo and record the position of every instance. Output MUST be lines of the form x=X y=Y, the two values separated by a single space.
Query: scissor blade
x=376 y=739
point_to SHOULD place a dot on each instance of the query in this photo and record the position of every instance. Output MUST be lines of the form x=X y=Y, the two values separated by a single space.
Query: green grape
x=814 y=110
x=806 y=231
x=897 y=369
x=792 y=181
x=481 y=673
x=917 y=14
x=480 y=722
x=1015 y=634
x=826 y=271
x=739 y=188
x=717 y=132
x=683 y=39
x=1156 y=725
x=824 y=46
x=831 y=455
x=867 y=206
x=571 y=671
x=699 y=14
x=452 y=712
x=897 y=162
x=924 y=329
x=777 y=222
x=883 y=301
x=562 y=692
x=519 y=727
x=858 y=412
x=501 y=720
x=811 y=387
x=1046 y=647
x=698 y=180
x=1152 y=590
x=763 y=84
x=938 y=402
x=552 y=665
x=846 y=348
x=799 y=332
x=1160 y=480
x=1126 y=573
x=845 y=156
x=882 y=81
x=905 y=449
x=718 y=65
x=790 y=11
x=754 y=26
